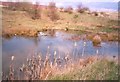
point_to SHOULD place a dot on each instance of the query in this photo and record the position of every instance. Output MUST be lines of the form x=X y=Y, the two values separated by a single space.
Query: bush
x=75 y=18
x=21 y=6
x=95 y=13
x=81 y=9
x=36 y=14
x=34 y=11
x=61 y=9
x=52 y=12
x=69 y=10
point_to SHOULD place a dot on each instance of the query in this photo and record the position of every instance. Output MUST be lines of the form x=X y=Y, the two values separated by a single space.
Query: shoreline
x=34 y=33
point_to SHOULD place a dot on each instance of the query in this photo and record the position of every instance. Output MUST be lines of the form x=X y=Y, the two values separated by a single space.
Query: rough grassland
x=20 y=23
x=99 y=70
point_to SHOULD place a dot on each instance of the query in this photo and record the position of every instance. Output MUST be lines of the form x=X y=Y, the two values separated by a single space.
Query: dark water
x=23 y=48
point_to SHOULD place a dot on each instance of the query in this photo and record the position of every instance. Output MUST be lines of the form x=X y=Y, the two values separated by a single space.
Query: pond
x=60 y=43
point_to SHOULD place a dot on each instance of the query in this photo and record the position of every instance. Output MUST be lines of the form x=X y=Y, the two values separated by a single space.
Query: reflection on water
x=23 y=48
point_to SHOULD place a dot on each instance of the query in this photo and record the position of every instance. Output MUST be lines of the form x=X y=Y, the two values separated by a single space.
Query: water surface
x=61 y=42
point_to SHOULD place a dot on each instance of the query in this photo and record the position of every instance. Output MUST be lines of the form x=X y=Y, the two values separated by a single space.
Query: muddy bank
x=104 y=37
x=27 y=32
x=19 y=32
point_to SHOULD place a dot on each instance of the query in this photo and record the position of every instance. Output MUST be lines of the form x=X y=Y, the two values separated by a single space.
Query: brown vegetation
x=38 y=69
x=82 y=9
x=37 y=11
x=52 y=12
x=22 y=17
x=69 y=10
x=96 y=40
x=20 y=32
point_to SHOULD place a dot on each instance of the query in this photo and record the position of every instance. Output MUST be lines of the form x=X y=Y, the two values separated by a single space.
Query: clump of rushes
x=96 y=40
x=37 y=69
x=84 y=44
x=11 y=70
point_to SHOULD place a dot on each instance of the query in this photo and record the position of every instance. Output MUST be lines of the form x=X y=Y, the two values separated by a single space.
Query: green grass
x=100 y=70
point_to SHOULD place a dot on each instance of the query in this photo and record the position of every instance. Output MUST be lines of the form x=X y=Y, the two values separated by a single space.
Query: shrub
x=75 y=18
x=61 y=9
x=21 y=6
x=34 y=11
x=52 y=12
x=69 y=9
x=82 y=9
x=95 y=13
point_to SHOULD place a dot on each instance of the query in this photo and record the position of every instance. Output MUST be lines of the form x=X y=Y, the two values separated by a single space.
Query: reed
x=83 y=51
x=36 y=68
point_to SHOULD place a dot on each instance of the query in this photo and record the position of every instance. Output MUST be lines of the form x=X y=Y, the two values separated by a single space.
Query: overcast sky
x=66 y=0
x=64 y=3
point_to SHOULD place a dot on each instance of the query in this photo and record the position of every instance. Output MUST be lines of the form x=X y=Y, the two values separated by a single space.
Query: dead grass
x=90 y=68
x=102 y=69
x=21 y=19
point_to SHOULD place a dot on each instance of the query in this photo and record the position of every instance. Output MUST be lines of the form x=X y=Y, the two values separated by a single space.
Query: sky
x=66 y=0
x=92 y=4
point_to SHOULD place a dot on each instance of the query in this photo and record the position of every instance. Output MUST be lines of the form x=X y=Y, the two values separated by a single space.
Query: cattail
x=59 y=57
x=23 y=66
x=48 y=47
x=55 y=53
x=27 y=59
x=12 y=58
x=33 y=56
x=97 y=51
x=39 y=57
x=67 y=58
x=75 y=44
x=48 y=75
x=21 y=69
x=51 y=64
x=84 y=43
